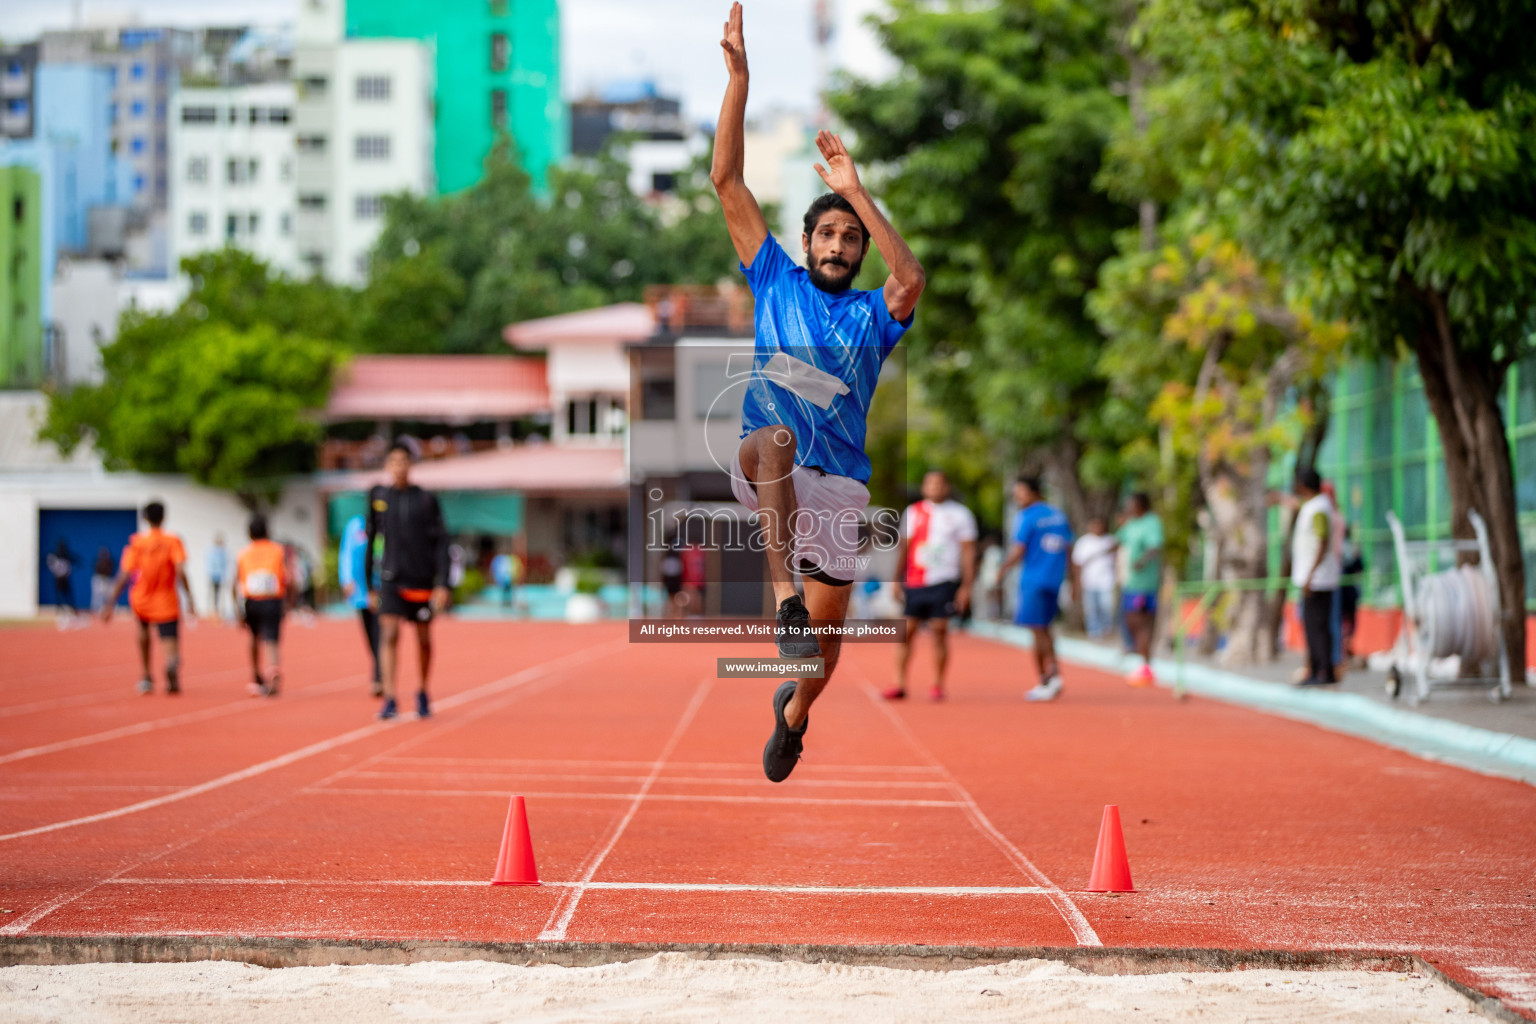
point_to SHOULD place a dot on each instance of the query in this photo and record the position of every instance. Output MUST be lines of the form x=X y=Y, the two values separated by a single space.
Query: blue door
x=85 y=532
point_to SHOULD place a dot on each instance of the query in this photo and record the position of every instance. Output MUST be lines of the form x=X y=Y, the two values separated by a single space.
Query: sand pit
x=675 y=987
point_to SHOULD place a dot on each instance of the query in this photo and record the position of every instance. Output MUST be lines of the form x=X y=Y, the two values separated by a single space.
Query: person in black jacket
x=412 y=573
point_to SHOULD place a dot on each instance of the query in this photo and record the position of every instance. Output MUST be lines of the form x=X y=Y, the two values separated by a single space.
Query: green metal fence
x=1383 y=452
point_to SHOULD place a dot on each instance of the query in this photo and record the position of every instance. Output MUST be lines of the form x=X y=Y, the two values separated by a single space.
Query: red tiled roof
x=457 y=389
x=621 y=322
x=530 y=468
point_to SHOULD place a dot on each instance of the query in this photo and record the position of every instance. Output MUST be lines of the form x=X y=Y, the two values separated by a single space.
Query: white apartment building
x=232 y=165
x=363 y=130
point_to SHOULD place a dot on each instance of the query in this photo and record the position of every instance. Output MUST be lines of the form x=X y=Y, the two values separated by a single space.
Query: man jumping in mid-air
x=820 y=344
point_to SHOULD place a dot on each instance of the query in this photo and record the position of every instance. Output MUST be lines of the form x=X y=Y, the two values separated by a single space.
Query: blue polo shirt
x=846 y=336
x=1047 y=538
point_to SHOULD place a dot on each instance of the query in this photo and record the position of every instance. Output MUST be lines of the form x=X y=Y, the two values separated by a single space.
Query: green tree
x=224 y=388
x=992 y=133
x=1384 y=155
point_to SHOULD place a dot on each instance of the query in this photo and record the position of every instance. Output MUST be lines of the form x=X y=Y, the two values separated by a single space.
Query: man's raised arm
x=907 y=279
x=743 y=216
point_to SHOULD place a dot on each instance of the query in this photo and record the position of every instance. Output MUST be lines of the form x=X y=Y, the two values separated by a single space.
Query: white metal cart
x=1452 y=631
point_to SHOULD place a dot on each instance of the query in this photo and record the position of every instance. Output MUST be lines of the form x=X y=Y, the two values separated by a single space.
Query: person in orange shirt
x=262 y=584
x=154 y=561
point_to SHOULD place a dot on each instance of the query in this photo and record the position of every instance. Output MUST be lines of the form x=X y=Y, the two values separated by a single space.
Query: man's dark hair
x=831 y=201
x=258 y=527
x=1143 y=501
x=1032 y=482
x=401 y=445
x=1307 y=477
x=154 y=513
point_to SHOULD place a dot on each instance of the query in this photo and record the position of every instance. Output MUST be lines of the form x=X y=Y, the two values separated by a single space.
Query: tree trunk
x=1463 y=394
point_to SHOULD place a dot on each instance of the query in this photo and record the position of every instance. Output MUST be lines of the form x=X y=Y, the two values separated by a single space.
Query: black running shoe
x=784 y=746
x=423 y=708
x=793 y=634
x=389 y=710
x=172 y=681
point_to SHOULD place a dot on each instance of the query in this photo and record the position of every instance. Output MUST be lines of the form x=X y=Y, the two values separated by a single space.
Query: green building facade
x=21 y=277
x=498 y=69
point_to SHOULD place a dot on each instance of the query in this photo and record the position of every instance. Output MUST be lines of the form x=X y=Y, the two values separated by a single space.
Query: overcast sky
x=674 y=41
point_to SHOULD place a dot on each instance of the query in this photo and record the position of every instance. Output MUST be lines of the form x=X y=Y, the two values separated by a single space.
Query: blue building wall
x=71 y=152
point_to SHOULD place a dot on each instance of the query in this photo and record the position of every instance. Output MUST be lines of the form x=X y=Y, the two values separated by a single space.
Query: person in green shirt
x=1141 y=538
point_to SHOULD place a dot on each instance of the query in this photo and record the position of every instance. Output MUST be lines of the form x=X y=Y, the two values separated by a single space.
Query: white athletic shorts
x=826 y=527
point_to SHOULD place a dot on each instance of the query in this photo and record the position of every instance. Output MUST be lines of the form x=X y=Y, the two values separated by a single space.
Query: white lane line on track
x=485 y=690
x=117 y=695
x=565 y=909
x=670 y=780
x=677 y=887
x=36 y=914
x=707 y=798
x=139 y=728
x=754 y=771
x=1082 y=931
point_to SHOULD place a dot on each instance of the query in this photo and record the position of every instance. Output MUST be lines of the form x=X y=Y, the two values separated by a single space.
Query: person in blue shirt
x=354 y=587
x=1042 y=540
x=820 y=343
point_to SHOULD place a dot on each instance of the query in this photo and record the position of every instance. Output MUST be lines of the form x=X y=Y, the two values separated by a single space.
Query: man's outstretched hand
x=839 y=174
x=734 y=45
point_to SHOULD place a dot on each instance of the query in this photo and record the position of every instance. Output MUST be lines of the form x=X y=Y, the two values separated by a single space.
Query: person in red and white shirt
x=937 y=555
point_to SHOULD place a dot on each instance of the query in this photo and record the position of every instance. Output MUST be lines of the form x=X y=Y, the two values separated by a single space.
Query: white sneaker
x=1049 y=689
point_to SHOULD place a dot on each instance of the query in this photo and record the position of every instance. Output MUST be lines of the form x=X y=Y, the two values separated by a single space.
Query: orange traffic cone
x=1111 y=871
x=515 y=865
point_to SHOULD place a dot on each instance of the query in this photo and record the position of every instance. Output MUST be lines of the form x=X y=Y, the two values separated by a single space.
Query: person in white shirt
x=937 y=556
x=1093 y=577
x=1315 y=571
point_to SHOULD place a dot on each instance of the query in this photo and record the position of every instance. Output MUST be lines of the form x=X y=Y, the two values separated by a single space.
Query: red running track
x=970 y=822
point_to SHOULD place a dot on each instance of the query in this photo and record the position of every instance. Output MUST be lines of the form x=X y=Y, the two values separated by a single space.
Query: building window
x=499 y=109
x=14 y=68
x=234 y=171
x=197 y=224
x=112 y=76
x=371 y=147
x=361 y=263
x=112 y=113
x=17 y=106
x=231 y=227
x=314 y=86
x=255 y=115
x=196 y=115
x=136 y=72
x=160 y=111
x=197 y=170
x=285 y=224
x=252 y=223
x=285 y=169
x=368 y=207
x=19 y=210
x=373 y=87
x=501 y=51
x=138 y=183
x=137 y=145
x=312 y=201
x=278 y=115
x=136 y=109
x=310 y=143
x=234 y=115
x=315 y=261
x=251 y=168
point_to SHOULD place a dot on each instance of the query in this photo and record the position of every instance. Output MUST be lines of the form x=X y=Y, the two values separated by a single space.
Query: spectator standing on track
x=671 y=568
x=218 y=572
x=1042 y=541
x=1093 y=577
x=1141 y=538
x=413 y=570
x=695 y=578
x=61 y=566
x=1352 y=564
x=937 y=553
x=1315 y=572
x=101 y=578
x=262 y=593
x=155 y=561
x=504 y=575
x=357 y=589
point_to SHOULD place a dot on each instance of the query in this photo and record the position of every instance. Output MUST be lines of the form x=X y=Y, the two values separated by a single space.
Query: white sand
x=673 y=987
